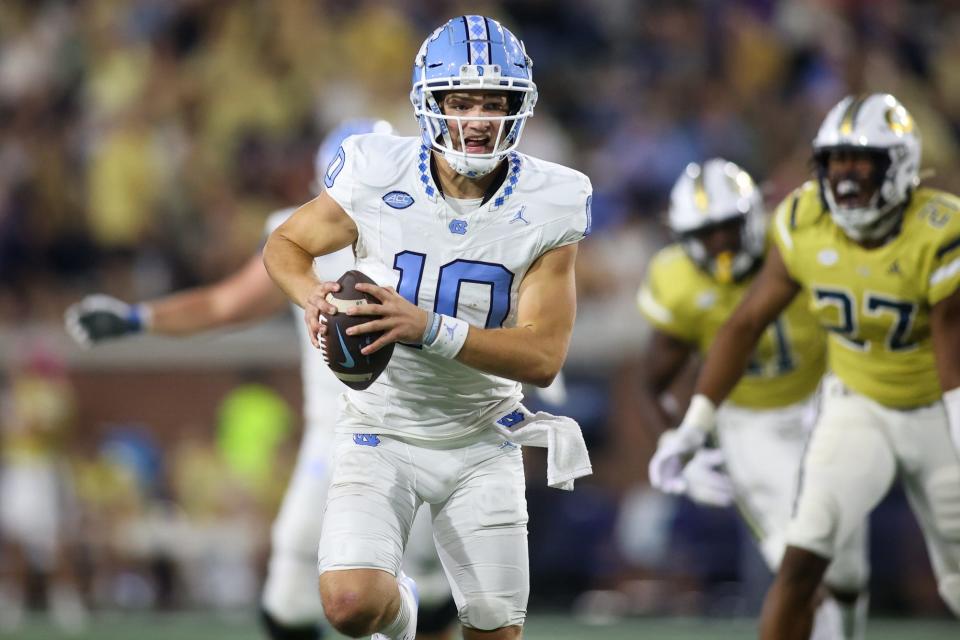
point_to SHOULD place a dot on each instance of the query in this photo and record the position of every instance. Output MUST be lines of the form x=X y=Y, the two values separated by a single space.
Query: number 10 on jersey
x=451 y=277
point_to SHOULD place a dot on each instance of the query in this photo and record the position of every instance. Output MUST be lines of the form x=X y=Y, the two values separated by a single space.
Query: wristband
x=449 y=339
x=140 y=317
x=432 y=328
x=700 y=414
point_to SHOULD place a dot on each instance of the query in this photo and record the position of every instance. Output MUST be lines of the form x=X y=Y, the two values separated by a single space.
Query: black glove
x=101 y=317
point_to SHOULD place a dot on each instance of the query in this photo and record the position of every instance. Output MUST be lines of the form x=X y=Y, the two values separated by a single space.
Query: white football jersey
x=321 y=388
x=464 y=265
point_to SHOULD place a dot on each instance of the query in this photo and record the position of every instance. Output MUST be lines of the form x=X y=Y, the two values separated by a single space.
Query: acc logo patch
x=398 y=199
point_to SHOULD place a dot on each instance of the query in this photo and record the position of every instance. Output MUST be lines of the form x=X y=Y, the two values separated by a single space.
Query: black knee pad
x=436 y=618
x=278 y=631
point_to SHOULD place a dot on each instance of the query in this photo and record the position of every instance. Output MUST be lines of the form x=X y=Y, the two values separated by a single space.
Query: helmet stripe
x=849 y=119
x=466 y=31
x=700 y=197
x=478 y=39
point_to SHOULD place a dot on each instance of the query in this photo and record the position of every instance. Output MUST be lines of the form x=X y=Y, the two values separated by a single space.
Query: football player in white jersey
x=879 y=255
x=691 y=287
x=290 y=604
x=473 y=246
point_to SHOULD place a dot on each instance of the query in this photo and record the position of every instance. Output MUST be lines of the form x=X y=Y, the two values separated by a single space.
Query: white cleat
x=411 y=598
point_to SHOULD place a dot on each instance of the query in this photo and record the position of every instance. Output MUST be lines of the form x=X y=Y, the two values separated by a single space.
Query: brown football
x=341 y=351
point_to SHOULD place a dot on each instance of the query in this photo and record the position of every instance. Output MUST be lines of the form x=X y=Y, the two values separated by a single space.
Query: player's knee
x=276 y=630
x=351 y=612
x=487 y=613
x=949 y=588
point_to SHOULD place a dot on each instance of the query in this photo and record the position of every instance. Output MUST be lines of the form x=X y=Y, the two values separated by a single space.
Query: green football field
x=539 y=627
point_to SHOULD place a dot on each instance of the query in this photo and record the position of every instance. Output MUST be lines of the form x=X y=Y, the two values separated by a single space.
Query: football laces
x=323 y=341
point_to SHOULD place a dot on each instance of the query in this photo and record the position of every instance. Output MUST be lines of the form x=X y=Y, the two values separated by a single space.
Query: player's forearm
x=516 y=353
x=290 y=267
x=208 y=308
x=728 y=358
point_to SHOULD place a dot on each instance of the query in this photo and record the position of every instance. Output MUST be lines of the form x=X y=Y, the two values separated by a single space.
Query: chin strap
x=470 y=167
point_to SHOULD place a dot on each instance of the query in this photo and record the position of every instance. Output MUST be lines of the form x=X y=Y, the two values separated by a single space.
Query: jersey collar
x=500 y=198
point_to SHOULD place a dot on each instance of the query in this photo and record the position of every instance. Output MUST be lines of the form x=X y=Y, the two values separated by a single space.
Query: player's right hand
x=676 y=446
x=707 y=481
x=101 y=317
x=315 y=305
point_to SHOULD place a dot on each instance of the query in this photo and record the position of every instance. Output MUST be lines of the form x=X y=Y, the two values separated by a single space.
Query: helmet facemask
x=727 y=265
x=862 y=220
x=436 y=125
x=879 y=127
x=718 y=196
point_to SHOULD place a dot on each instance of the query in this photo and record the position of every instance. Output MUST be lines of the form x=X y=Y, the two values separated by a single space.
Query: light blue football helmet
x=327 y=150
x=472 y=53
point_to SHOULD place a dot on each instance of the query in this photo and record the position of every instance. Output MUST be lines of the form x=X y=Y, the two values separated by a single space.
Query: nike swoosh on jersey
x=348 y=362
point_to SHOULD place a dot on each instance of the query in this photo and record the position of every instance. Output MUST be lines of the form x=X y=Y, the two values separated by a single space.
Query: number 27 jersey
x=876 y=302
x=465 y=265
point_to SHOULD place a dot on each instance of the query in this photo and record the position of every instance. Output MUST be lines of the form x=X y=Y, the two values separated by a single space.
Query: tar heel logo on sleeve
x=398 y=199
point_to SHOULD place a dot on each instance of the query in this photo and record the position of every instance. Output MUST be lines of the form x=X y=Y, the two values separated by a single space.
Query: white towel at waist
x=567 y=455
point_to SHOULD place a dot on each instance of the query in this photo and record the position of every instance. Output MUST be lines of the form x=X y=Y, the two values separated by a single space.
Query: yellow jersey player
x=880 y=258
x=716 y=213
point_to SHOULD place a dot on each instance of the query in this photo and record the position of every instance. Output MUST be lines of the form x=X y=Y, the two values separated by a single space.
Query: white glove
x=708 y=484
x=101 y=317
x=676 y=445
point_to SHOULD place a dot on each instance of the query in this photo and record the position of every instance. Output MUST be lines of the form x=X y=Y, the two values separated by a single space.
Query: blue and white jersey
x=321 y=389
x=464 y=265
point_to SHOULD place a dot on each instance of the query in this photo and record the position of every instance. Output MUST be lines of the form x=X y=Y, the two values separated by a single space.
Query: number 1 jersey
x=465 y=265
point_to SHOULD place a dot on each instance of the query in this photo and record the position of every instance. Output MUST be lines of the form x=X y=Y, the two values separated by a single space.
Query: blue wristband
x=433 y=328
x=138 y=319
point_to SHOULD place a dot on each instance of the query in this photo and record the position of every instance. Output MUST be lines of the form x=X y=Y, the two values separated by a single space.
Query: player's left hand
x=676 y=446
x=673 y=450
x=707 y=482
x=400 y=321
x=100 y=317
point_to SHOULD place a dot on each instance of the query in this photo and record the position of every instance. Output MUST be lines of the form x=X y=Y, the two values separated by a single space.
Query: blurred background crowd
x=144 y=142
